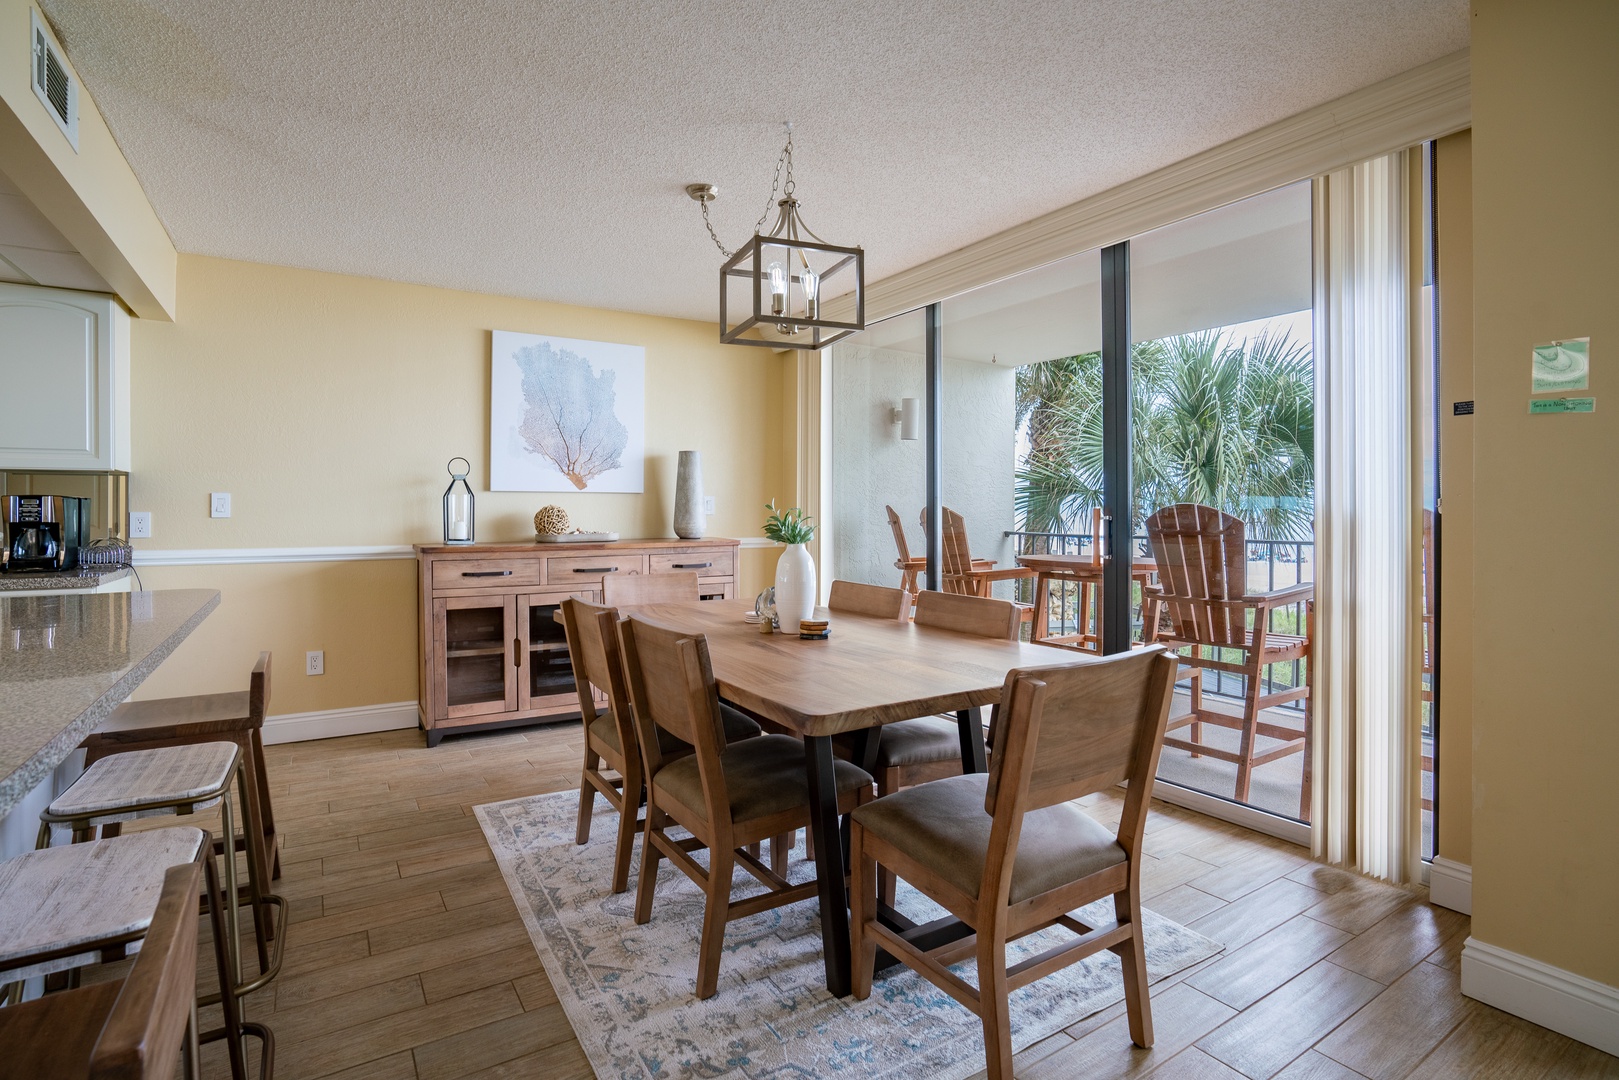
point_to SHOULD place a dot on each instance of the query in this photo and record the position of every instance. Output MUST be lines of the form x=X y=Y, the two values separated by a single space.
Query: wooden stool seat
x=61 y=907
x=142 y=783
x=236 y=716
x=135 y=1028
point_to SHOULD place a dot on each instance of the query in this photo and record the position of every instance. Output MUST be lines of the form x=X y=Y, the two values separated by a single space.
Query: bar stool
x=182 y=780
x=236 y=717
x=140 y=1026
x=68 y=907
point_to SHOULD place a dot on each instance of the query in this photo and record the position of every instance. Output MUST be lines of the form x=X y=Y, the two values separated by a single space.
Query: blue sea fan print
x=569 y=418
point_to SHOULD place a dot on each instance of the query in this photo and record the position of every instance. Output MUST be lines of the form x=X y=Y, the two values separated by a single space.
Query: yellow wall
x=90 y=195
x=1454 y=207
x=1546 y=570
x=328 y=405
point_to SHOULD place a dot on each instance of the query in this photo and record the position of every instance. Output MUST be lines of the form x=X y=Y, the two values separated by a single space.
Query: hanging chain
x=785 y=157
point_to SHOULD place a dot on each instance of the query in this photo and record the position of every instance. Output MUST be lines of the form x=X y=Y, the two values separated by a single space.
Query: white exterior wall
x=872 y=467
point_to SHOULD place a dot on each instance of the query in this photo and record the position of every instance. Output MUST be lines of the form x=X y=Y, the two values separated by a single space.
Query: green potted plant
x=795 y=570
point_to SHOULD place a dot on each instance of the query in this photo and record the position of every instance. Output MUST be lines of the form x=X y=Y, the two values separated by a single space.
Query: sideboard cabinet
x=491 y=651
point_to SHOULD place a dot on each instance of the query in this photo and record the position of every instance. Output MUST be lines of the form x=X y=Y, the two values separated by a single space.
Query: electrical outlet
x=140 y=525
x=315 y=663
x=219 y=504
x=708 y=504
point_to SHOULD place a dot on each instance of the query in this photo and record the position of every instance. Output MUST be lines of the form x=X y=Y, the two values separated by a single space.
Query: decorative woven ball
x=552 y=520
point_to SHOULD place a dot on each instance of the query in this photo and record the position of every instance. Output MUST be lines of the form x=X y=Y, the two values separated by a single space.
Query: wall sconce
x=909 y=418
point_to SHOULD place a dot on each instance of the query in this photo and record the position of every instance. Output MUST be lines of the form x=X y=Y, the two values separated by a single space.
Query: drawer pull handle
x=690 y=565
x=486 y=573
x=595 y=569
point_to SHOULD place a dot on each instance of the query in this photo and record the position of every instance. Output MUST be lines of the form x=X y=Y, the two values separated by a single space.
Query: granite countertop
x=85 y=577
x=67 y=661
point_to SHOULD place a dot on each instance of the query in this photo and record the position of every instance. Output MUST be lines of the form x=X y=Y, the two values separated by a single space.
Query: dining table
x=866 y=673
x=1085 y=571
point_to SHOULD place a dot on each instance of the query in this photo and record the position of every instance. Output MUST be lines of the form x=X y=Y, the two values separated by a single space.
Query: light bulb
x=778 y=287
x=812 y=292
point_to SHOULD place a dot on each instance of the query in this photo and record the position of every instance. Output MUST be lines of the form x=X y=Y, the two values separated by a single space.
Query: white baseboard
x=1450 y=885
x=1571 y=1004
x=332 y=723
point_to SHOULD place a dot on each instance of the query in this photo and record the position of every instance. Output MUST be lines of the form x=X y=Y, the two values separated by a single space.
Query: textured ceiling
x=540 y=149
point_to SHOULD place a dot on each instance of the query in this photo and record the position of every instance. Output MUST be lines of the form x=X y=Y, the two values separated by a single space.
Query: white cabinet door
x=64 y=380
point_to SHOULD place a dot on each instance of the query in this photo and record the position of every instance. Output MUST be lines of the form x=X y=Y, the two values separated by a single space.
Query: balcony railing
x=1272 y=564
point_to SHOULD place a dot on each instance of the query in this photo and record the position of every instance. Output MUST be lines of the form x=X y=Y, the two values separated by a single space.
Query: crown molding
x=1423 y=103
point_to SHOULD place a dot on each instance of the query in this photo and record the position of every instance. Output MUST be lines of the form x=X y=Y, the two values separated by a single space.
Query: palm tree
x=1225 y=423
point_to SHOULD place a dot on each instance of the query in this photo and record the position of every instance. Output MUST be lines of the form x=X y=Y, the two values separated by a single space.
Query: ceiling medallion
x=780 y=278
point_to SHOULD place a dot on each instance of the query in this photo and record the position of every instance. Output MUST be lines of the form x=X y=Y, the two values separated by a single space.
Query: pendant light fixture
x=773 y=288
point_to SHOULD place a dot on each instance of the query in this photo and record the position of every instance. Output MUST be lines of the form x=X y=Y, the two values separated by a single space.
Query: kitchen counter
x=87 y=578
x=66 y=661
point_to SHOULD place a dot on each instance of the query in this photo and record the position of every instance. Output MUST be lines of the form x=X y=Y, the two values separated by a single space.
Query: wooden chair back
x=146 y=1029
x=875 y=600
x=671 y=685
x=1066 y=732
x=593 y=649
x=629 y=590
x=958 y=559
x=1202 y=557
x=900 y=543
x=980 y=616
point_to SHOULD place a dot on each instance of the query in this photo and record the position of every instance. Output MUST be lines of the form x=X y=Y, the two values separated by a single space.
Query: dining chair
x=907 y=564
x=1008 y=853
x=874 y=600
x=1202 y=594
x=727 y=796
x=629 y=590
x=610 y=736
x=136 y=1028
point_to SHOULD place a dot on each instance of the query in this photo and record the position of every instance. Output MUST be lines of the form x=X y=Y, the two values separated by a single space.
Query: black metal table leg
x=829 y=863
x=971 y=725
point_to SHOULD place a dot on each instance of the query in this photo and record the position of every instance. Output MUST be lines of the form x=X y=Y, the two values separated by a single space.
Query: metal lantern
x=458 y=504
x=774 y=289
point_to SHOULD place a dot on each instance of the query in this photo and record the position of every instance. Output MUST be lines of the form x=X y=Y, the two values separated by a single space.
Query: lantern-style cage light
x=776 y=289
x=458 y=504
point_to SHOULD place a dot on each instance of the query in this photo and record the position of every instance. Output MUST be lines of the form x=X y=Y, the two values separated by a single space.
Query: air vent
x=54 y=84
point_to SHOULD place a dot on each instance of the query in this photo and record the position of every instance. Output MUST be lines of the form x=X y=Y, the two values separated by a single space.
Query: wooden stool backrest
x=966 y=614
x=862 y=599
x=1202 y=557
x=630 y=590
x=258 y=689
x=145 y=1030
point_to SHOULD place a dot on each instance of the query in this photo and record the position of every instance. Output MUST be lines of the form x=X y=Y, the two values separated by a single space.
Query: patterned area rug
x=628 y=990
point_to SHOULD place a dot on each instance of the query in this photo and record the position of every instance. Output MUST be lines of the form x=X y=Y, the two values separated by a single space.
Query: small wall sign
x=1562 y=405
x=1461 y=408
x=1560 y=366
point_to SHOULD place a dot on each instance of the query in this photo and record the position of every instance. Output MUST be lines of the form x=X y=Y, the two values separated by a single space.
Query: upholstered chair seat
x=943 y=826
x=738 y=726
x=763 y=777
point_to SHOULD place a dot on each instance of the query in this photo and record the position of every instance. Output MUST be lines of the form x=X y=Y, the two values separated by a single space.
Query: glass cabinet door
x=546 y=680
x=476 y=669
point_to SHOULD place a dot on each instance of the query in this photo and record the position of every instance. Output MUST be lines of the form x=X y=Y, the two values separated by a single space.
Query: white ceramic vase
x=689 y=517
x=795 y=587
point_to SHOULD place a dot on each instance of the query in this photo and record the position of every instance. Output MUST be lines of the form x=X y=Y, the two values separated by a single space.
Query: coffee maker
x=44 y=532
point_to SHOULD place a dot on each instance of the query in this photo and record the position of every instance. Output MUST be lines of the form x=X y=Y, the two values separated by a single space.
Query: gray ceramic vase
x=689 y=517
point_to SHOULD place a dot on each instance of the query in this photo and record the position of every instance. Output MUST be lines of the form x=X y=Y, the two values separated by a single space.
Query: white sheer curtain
x=1366 y=706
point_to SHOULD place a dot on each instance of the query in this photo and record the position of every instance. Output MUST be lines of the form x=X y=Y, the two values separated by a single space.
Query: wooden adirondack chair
x=1202 y=557
x=964 y=574
x=907 y=566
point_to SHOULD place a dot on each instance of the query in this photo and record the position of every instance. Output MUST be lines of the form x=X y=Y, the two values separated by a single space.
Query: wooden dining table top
x=1080 y=565
x=869 y=671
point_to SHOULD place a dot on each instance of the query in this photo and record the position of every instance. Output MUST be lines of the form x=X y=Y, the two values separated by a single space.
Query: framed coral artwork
x=566 y=415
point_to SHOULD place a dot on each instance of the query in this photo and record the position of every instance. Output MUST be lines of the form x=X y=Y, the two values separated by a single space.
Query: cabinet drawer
x=720 y=562
x=574 y=570
x=485 y=573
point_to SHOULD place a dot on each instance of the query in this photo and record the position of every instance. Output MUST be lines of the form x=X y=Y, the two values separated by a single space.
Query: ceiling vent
x=54 y=83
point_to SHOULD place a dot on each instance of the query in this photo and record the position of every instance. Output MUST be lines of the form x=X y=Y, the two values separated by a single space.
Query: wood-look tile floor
x=406 y=956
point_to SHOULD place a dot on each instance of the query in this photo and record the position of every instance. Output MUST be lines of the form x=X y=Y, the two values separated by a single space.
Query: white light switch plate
x=219 y=504
x=708 y=504
x=140 y=525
